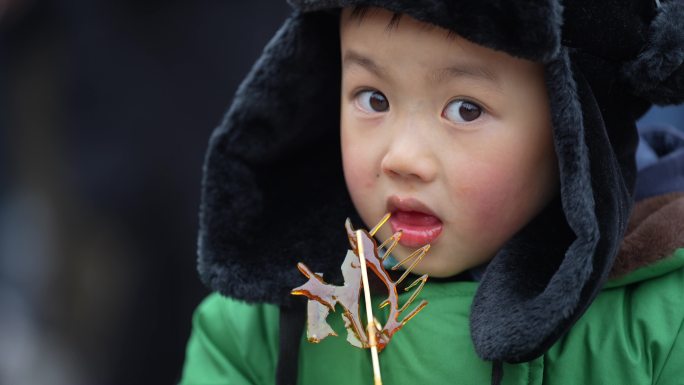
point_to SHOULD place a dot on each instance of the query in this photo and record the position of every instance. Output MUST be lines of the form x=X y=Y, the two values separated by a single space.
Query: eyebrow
x=463 y=70
x=459 y=70
x=354 y=58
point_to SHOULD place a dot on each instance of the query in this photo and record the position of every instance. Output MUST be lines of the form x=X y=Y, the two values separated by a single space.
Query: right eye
x=372 y=101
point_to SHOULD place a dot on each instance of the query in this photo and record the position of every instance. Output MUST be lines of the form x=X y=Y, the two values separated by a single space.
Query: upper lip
x=395 y=203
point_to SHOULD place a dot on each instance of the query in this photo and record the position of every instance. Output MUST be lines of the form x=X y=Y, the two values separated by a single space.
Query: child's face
x=453 y=138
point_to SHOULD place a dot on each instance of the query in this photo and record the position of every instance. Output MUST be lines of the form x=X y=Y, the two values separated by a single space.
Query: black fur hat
x=274 y=194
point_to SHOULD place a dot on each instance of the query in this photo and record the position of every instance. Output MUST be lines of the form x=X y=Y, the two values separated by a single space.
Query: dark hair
x=360 y=11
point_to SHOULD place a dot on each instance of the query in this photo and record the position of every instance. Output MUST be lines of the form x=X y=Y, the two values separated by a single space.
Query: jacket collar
x=655 y=230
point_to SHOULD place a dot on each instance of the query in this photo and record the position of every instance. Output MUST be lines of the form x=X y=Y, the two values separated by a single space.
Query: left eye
x=462 y=111
x=372 y=101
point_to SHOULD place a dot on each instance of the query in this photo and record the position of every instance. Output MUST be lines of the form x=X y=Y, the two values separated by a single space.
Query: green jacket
x=631 y=334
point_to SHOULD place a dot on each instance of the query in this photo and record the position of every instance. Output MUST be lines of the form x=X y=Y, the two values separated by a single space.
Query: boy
x=490 y=133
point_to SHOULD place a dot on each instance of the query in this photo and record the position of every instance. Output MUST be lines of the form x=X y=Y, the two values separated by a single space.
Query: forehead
x=373 y=20
x=390 y=40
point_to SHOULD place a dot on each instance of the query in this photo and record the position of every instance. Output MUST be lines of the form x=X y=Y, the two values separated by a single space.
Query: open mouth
x=417 y=222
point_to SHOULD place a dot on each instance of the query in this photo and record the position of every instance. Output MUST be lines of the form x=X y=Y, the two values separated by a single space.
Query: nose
x=410 y=156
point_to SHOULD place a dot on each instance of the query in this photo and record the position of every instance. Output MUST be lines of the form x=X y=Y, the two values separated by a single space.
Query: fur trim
x=258 y=217
x=656 y=229
x=657 y=74
x=528 y=29
x=614 y=30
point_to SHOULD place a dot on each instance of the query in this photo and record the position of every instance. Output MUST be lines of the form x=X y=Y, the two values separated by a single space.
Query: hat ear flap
x=657 y=74
x=272 y=175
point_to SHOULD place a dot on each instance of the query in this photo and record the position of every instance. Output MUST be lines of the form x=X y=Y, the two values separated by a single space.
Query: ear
x=657 y=73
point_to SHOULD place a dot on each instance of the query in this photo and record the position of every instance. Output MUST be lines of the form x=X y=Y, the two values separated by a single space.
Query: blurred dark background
x=106 y=107
x=105 y=112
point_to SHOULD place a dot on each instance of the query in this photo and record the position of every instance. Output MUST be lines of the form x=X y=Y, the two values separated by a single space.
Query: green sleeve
x=672 y=372
x=231 y=343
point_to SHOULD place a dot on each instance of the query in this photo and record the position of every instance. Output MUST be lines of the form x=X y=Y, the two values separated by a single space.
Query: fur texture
x=273 y=191
x=611 y=29
x=657 y=74
x=656 y=229
x=273 y=180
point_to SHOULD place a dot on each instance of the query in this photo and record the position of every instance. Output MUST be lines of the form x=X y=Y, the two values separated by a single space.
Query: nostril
x=390 y=171
x=394 y=173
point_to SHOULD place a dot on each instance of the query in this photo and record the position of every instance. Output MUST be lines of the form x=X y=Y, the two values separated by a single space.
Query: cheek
x=497 y=201
x=511 y=180
x=357 y=166
x=361 y=180
x=487 y=195
x=359 y=177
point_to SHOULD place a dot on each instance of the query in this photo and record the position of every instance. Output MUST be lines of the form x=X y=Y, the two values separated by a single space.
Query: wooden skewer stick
x=370 y=325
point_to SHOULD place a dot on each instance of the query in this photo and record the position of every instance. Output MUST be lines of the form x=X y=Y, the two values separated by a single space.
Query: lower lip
x=418 y=229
